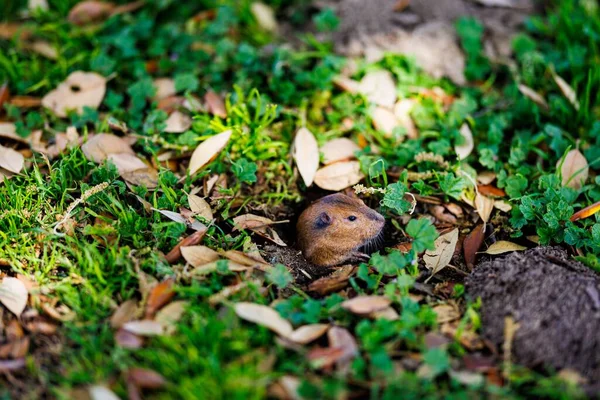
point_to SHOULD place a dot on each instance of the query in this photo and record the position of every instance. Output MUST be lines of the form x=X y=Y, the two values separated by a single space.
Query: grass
x=112 y=244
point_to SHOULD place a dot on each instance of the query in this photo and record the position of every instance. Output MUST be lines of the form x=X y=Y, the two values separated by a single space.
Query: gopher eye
x=352 y=218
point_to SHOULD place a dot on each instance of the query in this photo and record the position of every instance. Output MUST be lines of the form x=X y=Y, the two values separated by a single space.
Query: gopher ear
x=323 y=220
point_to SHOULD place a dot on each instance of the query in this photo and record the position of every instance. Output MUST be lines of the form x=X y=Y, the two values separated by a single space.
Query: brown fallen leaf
x=387 y=313
x=215 y=104
x=566 y=90
x=265 y=316
x=486 y=177
x=306 y=154
x=259 y=225
x=165 y=87
x=366 y=304
x=490 y=190
x=208 y=150
x=169 y=315
x=339 y=149
x=503 y=246
x=144 y=327
x=339 y=176
x=26 y=101
x=200 y=206
x=471 y=245
x=586 y=212
x=346 y=84
x=341 y=338
x=100 y=146
x=402 y=110
x=146 y=378
x=90 y=11
x=446 y=313
x=126 y=312
x=246 y=259
x=286 y=388
x=484 y=206
x=384 y=120
x=308 y=333
x=193 y=239
x=80 y=89
x=379 y=88
x=198 y=255
x=160 y=295
x=574 y=169
x=464 y=149
x=13 y=295
x=334 y=282
x=11 y=160
x=178 y=122
x=534 y=96
x=437 y=259
x=324 y=358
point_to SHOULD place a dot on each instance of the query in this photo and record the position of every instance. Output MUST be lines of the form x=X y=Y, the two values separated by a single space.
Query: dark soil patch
x=556 y=302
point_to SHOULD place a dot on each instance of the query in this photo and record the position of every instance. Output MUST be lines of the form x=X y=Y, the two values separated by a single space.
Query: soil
x=555 y=301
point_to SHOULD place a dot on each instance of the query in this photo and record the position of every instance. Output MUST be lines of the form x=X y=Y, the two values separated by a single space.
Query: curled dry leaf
x=574 y=169
x=472 y=243
x=340 y=338
x=146 y=378
x=438 y=259
x=503 y=246
x=379 y=88
x=124 y=313
x=265 y=316
x=338 y=150
x=334 y=282
x=339 y=176
x=264 y=15
x=165 y=87
x=208 y=150
x=173 y=216
x=160 y=295
x=241 y=258
x=533 y=96
x=128 y=340
x=464 y=150
x=502 y=205
x=178 y=122
x=308 y=333
x=191 y=240
x=306 y=155
x=11 y=160
x=199 y=255
x=446 y=313
x=200 y=207
x=366 y=304
x=486 y=177
x=98 y=392
x=13 y=294
x=215 y=104
x=260 y=226
x=90 y=11
x=144 y=327
x=8 y=130
x=566 y=90
x=99 y=147
x=387 y=313
x=484 y=206
x=169 y=315
x=384 y=120
x=586 y=212
x=80 y=89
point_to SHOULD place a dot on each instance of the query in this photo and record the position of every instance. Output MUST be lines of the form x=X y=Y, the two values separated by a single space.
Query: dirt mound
x=555 y=301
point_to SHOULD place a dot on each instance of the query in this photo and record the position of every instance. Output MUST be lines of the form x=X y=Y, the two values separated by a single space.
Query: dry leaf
x=178 y=122
x=13 y=294
x=11 y=160
x=387 y=313
x=486 y=177
x=173 y=216
x=208 y=150
x=128 y=340
x=286 y=388
x=169 y=315
x=160 y=295
x=98 y=392
x=165 y=87
x=146 y=378
x=264 y=316
x=566 y=90
x=574 y=169
x=80 y=89
x=379 y=88
x=503 y=246
x=200 y=207
x=334 y=282
x=308 y=333
x=502 y=205
x=446 y=313
x=245 y=259
x=339 y=176
x=144 y=327
x=199 y=255
x=533 y=96
x=126 y=162
x=146 y=176
x=264 y=15
x=366 y=304
x=8 y=130
x=586 y=212
x=99 y=147
x=215 y=104
x=340 y=338
x=90 y=11
x=43 y=48
x=472 y=243
x=346 y=84
x=402 y=111
x=445 y=245
x=251 y=221
x=484 y=206
x=464 y=150
x=338 y=150
x=193 y=239
x=124 y=313
x=306 y=155
x=384 y=120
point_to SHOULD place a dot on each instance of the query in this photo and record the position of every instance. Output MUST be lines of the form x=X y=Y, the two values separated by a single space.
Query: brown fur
x=327 y=237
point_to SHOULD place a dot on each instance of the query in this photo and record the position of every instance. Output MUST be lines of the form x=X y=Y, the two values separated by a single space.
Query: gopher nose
x=375 y=216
